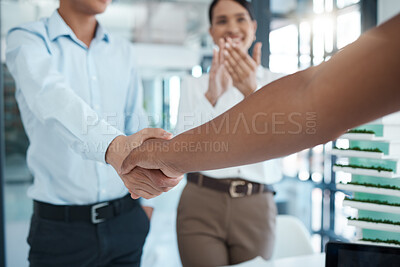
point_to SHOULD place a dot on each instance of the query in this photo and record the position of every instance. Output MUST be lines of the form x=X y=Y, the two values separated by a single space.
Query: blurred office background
x=171 y=39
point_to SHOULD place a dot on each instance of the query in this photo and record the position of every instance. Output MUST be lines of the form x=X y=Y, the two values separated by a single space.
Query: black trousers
x=115 y=242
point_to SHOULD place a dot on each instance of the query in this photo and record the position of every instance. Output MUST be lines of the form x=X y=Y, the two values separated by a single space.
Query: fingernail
x=227 y=45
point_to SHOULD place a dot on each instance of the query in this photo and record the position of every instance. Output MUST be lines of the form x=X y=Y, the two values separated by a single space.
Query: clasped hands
x=141 y=160
x=232 y=66
x=142 y=177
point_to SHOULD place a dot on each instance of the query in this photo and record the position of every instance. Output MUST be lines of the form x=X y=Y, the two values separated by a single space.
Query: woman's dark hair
x=243 y=3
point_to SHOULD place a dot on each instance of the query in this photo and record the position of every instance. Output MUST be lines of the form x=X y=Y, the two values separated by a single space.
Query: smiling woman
x=212 y=218
x=233 y=19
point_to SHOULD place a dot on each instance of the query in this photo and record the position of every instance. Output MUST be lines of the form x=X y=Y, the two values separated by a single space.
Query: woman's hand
x=219 y=80
x=241 y=67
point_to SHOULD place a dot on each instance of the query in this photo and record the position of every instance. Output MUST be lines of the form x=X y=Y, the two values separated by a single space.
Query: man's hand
x=150 y=156
x=122 y=145
x=140 y=182
x=147 y=183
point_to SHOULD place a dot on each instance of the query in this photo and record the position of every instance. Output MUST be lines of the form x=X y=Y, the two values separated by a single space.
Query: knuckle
x=172 y=182
x=144 y=132
x=159 y=183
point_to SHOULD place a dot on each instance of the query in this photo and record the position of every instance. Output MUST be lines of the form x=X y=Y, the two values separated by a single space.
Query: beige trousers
x=214 y=229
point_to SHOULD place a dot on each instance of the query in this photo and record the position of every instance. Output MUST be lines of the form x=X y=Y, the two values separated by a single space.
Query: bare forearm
x=305 y=109
x=359 y=84
x=266 y=125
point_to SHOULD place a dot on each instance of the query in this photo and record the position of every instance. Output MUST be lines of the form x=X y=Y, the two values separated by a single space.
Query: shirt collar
x=102 y=33
x=57 y=27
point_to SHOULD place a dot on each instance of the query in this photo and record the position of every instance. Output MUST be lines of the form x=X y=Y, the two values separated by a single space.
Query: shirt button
x=103 y=191
x=94 y=78
x=96 y=106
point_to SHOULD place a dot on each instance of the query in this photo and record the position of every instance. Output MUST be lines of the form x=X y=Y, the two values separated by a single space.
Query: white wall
x=387 y=9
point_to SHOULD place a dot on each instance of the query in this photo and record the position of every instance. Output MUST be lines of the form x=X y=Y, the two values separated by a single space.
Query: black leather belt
x=235 y=188
x=94 y=213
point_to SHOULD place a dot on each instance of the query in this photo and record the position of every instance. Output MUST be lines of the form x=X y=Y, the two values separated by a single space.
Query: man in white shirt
x=79 y=94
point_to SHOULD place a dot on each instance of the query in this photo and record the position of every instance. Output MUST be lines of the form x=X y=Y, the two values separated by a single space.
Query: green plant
x=373 y=220
x=356 y=148
x=362 y=131
x=377 y=240
x=379 y=202
x=374 y=185
x=377 y=168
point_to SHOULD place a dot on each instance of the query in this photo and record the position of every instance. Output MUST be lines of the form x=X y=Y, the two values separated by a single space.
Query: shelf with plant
x=388 y=148
x=380 y=202
x=393 y=187
x=374 y=220
x=375 y=224
x=360 y=135
x=360 y=131
x=370 y=188
x=356 y=148
x=371 y=131
x=374 y=153
x=374 y=205
x=376 y=168
x=365 y=170
x=377 y=241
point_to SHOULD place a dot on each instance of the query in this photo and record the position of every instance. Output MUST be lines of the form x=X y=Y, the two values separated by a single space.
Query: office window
x=284 y=47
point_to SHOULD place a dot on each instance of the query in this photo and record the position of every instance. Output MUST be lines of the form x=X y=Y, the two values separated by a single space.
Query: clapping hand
x=242 y=67
x=219 y=80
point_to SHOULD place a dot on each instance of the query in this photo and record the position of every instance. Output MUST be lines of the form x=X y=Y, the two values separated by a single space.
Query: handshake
x=135 y=159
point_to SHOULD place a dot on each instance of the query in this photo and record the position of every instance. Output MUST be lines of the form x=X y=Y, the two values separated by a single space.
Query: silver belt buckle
x=232 y=189
x=95 y=214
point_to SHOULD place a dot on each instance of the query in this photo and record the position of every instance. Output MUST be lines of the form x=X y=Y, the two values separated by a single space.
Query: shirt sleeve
x=194 y=107
x=148 y=202
x=51 y=100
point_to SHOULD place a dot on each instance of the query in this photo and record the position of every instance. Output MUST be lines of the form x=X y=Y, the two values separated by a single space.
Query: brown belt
x=235 y=188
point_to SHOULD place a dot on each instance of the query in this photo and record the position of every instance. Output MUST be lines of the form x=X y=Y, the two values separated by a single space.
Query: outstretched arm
x=359 y=84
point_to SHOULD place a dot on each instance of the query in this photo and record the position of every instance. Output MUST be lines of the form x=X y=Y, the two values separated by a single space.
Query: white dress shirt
x=195 y=109
x=74 y=101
